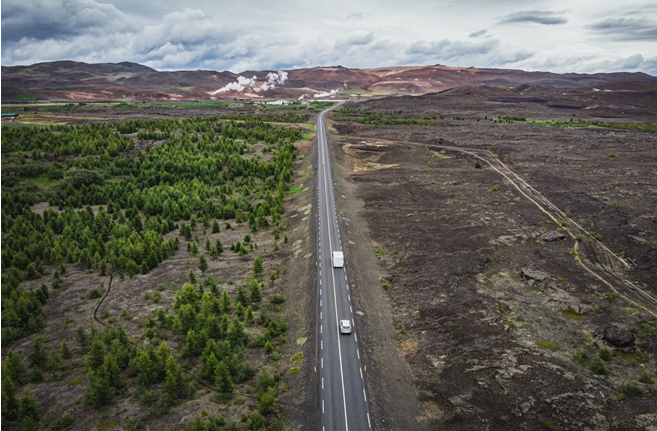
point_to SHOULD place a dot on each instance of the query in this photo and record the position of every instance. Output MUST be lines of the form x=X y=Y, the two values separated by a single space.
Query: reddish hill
x=69 y=80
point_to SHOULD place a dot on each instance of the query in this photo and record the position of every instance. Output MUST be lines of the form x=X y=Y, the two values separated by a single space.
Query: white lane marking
x=356 y=337
x=359 y=369
x=324 y=153
x=320 y=315
x=358 y=353
x=364 y=395
x=320 y=302
x=347 y=287
x=350 y=310
x=321 y=329
x=368 y=420
x=322 y=406
x=322 y=341
x=349 y=298
x=361 y=376
x=322 y=362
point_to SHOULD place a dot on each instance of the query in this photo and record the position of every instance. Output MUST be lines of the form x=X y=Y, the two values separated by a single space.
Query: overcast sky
x=554 y=35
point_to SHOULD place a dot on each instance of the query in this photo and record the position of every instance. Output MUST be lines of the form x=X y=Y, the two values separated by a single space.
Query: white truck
x=338 y=259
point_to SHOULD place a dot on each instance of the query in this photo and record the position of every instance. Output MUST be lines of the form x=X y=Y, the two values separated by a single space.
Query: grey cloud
x=627 y=29
x=447 y=49
x=534 y=16
x=478 y=33
x=356 y=15
x=355 y=39
x=46 y=19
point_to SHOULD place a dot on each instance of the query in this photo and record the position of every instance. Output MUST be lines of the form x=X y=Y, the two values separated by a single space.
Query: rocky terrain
x=489 y=256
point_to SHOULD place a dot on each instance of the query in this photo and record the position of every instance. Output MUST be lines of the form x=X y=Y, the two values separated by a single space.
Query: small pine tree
x=239 y=310
x=225 y=302
x=285 y=239
x=28 y=409
x=54 y=363
x=241 y=295
x=222 y=379
x=13 y=367
x=66 y=351
x=174 y=376
x=82 y=338
x=192 y=276
x=9 y=402
x=269 y=349
x=202 y=264
x=258 y=266
x=215 y=226
x=219 y=246
x=254 y=290
x=250 y=318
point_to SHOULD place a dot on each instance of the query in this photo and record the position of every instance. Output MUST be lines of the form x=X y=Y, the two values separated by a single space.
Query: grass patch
x=301 y=341
x=30 y=98
x=547 y=345
x=631 y=389
x=570 y=313
x=380 y=251
x=296 y=357
x=74 y=382
x=107 y=425
x=294 y=190
x=294 y=370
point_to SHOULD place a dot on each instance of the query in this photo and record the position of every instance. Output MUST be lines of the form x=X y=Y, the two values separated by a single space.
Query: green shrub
x=630 y=388
x=598 y=366
x=277 y=299
x=61 y=422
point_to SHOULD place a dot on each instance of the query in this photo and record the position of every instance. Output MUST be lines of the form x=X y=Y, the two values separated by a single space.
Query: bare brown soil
x=496 y=319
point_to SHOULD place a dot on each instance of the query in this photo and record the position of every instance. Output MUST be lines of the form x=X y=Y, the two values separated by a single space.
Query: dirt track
x=495 y=315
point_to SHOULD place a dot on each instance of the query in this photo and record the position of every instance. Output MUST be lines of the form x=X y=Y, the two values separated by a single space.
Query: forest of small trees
x=111 y=205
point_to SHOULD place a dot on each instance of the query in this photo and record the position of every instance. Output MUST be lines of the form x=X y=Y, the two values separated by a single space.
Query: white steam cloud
x=327 y=93
x=242 y=83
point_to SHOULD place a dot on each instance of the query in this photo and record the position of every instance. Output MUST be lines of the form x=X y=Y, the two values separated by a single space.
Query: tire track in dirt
x=594 y=248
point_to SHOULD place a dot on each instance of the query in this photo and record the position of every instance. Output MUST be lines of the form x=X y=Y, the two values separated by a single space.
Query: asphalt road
x=343 y=396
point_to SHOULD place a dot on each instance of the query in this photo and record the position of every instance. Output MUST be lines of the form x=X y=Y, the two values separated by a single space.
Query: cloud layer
x=255 y=35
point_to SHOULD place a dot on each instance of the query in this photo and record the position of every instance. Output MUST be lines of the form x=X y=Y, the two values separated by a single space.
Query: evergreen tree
x=226 y=305
x=65 y=350
x=173 y=376
x=239 y=310
x=54 y=363
x=202 y=264
x=258 y=266
x=222 y=379
x=215 y=226
x=96 y=356
x=38 y=352
x=236 y=334
x=13 y=367
x=255 y=291
x=249 y=315
x=241 y=295
x=191 y=276
x=28 y=409
x=9 y=401
x=82 y=338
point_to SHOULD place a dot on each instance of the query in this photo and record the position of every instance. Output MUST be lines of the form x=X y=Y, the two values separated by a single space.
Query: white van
x=338 y=259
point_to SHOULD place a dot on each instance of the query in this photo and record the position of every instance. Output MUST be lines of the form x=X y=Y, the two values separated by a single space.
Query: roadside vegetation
x=115 y=191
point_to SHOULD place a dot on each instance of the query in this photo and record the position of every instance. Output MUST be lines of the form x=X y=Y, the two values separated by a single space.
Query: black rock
x=618 y=337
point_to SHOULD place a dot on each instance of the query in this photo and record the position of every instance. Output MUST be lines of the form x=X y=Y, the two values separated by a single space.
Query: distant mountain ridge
x=77 y=81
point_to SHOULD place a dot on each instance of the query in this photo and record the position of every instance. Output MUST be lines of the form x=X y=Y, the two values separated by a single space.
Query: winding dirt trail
x=600 y=261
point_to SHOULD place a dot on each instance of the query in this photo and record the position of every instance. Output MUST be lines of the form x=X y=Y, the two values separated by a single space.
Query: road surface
x=343 y=396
